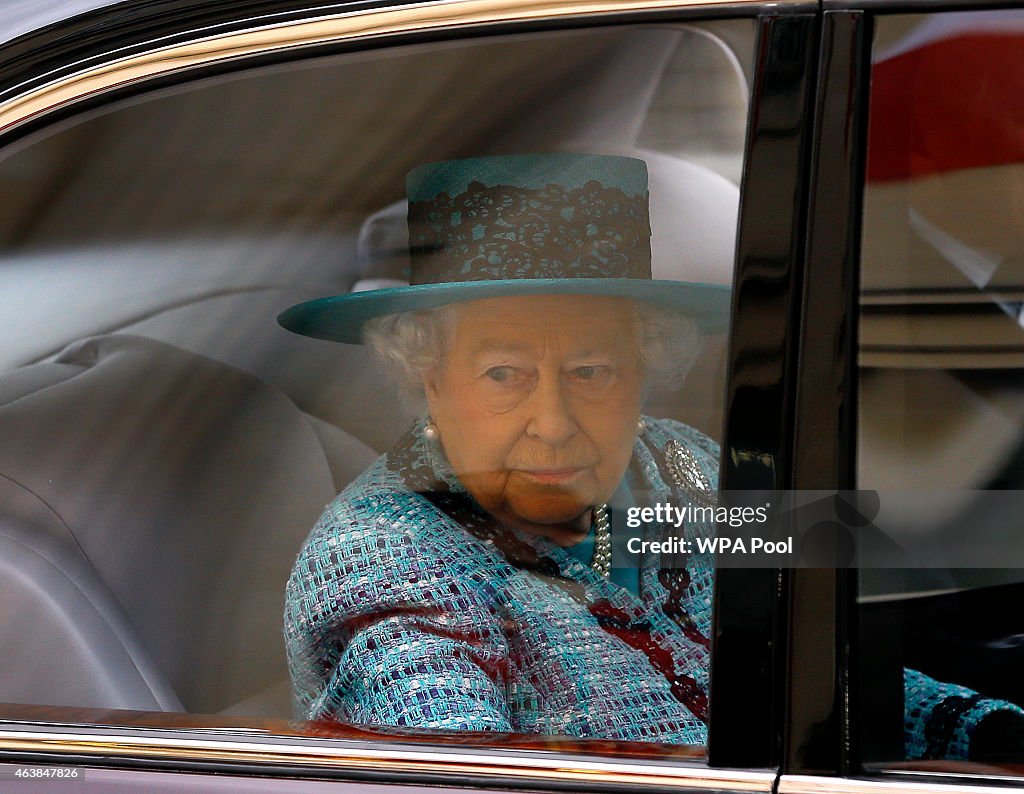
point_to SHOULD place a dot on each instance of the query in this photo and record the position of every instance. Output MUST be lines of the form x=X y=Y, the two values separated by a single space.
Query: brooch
x=687 y=474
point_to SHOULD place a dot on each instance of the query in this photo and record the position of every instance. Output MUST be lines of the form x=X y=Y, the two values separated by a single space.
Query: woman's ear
x=430 y=388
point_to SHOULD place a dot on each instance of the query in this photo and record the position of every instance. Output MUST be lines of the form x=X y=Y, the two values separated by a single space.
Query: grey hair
x=410 y=344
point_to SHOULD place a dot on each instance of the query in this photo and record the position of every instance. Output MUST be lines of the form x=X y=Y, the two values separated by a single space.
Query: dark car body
x=805 y=689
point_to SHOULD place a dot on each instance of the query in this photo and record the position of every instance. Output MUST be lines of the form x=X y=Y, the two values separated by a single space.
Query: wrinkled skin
x=536 y=402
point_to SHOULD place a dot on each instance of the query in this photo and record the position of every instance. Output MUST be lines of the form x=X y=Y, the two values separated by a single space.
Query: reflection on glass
x=166 y=446
x=941 y=395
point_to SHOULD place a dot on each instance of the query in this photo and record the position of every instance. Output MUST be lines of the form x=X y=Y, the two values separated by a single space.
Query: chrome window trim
x=808 y=784
x=523 y=767
x=112 y=71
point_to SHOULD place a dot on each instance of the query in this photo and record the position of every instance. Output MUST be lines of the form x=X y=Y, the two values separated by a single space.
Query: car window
x=940 y=389
x=324 y=385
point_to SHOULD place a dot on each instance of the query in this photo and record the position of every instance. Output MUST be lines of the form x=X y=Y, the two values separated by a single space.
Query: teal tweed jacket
x=409 y=606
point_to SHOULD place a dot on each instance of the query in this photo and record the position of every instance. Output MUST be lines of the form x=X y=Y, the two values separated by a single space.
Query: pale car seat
x=340 y=385
x=161 y=497
x=217 y=296
x=105 y=287
x=69 y=641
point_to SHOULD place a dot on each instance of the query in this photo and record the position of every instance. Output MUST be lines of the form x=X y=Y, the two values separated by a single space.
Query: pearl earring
x=430 y=431
x=641 y=425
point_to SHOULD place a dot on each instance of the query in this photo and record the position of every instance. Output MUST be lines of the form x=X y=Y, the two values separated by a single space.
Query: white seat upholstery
x=161 y=499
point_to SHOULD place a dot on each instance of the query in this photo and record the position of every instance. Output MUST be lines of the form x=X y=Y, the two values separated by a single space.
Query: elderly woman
x=464 y=580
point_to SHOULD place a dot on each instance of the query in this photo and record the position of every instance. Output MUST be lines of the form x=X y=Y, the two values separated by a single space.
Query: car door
x=907 y=397
x=177 y=175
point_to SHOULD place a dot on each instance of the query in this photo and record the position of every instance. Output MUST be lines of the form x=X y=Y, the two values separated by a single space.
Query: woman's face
x=536 y=402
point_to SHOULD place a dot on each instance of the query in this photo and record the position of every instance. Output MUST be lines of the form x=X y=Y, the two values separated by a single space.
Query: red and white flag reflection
x=948 y=96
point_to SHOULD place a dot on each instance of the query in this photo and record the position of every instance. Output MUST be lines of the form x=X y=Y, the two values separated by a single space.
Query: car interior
x=165 y=446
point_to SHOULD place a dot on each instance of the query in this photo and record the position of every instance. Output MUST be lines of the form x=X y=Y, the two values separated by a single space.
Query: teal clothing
x=410 y=606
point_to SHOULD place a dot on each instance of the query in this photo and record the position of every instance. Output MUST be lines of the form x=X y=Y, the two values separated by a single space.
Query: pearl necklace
x=602 y=560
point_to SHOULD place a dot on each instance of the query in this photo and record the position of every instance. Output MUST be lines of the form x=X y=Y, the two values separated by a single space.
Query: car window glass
x=386 y=343
x=940 y=388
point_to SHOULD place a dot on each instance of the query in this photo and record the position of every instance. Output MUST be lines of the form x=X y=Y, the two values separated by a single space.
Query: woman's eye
x=590 y=372
x=501 y=374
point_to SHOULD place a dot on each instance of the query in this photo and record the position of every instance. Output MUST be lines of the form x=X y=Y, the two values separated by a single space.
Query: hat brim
x=340 y=318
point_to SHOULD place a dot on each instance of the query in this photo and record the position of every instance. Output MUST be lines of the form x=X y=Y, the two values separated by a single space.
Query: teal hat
x=540 y=224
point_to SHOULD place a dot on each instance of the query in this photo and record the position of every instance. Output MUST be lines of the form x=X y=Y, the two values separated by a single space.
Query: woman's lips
x=552 y=476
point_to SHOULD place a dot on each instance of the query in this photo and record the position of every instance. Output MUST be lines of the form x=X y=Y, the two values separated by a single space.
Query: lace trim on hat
x=510 y=232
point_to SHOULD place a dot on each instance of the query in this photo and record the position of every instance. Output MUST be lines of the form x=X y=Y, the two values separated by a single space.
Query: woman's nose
x=551 y=419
